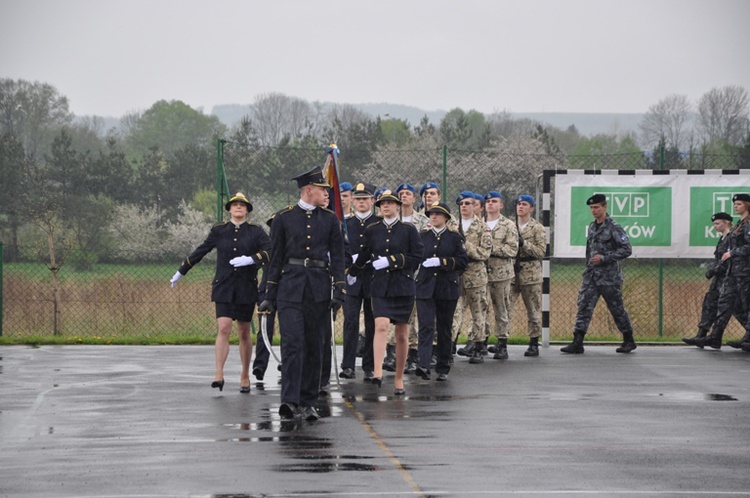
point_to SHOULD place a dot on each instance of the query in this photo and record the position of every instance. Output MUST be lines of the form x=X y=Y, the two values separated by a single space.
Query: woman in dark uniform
x=394 y=250
x=438 y=289
x=241 y=248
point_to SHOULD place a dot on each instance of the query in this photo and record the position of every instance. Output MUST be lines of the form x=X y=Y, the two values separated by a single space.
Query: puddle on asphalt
x=684 y=396
x=326 y=467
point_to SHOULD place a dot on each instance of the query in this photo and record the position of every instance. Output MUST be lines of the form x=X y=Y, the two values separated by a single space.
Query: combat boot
x=745 y=346
x=389 y=364
x=575 y=347
x=502 y=350
x=533 y=349
x=713 y=340
x=693 y=341
x=738 y=343
x=411 y=361
x=467 y=350
x=476 y=356
x=483 y=348
x=628 y=344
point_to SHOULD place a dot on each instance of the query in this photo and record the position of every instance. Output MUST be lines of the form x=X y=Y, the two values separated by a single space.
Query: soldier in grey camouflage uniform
x=528 y=269
x=500 y=268
x=606 y=245
x=474 y=280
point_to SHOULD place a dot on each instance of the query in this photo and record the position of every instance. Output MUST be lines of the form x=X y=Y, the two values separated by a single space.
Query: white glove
x=242 y=261
x=173 y=281
x=431 y=262
x=351 y=279
x=380 y=263
x=354 y=258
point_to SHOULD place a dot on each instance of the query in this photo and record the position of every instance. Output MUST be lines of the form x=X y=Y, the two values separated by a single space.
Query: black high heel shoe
x=219 y=384
x=377 y=381
x=399 y=392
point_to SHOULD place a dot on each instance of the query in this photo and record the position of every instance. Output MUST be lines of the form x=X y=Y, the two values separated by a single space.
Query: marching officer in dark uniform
x=735 y=293
x=438 y=290
x=394 y=251
x=262 y=354
x=358 y=288
x=241 y=247
x=722 y=223
x=606 y=245
x=308 y=251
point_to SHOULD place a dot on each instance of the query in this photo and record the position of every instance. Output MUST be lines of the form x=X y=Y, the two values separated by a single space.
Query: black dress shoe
x=310 y=413
x=259 y=373
x=324 y=389
x=422 y=372
x=288 y=411
x=218 y=384
x=368 y=376
x=442 y=377
x=347 y=373
x=399 y=392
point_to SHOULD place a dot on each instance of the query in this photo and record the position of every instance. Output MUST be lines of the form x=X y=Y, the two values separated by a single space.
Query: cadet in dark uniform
x=438 y=290
x=308 y=249
x=722 y=223
x=735 y=293
x=606 y=245
x=358 y=288
x=394 y=250
x=241 y=247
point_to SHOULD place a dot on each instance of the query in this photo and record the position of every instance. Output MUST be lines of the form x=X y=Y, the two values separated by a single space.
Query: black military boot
x=476 y=355
x=575 y=347
x=745 y=346
x=492 y=349
x=483 y=347
x=628 y=344
x=533 y=349
x=389 y=364
x=738 y=343
x=467 y=350
x=411 y=361
x=713 y=340
x=693 y=341
x=502 y=350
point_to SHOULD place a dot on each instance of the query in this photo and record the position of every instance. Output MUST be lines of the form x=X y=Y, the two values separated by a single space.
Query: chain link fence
x=130 y=301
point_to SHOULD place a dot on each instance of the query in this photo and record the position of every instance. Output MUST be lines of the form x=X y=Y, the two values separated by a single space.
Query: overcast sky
x=116 y=56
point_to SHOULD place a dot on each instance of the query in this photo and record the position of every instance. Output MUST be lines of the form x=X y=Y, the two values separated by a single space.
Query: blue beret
x=406 y=186
x=426 y=186
x=493 y=194
x=378 y=192
x=525 y=198
x=478 y=196
x=345 y=186
x=466 y=194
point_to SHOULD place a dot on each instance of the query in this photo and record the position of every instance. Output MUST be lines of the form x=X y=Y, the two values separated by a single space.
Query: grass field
x=134 y=304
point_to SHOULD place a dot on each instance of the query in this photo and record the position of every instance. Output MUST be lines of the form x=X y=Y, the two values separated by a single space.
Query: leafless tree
x=666 y=120
x=278 y=117
x=723 y=115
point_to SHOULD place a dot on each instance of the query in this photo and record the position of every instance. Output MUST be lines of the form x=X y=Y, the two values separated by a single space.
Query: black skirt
x=241 y=312
x=397 y=309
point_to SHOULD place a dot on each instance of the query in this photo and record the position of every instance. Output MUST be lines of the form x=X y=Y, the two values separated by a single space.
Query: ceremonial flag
x=331 y=174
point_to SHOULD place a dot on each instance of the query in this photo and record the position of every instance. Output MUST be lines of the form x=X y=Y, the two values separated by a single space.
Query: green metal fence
x=127 y=300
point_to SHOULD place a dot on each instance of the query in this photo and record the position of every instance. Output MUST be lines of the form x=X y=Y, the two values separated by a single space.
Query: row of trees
x=68 y=180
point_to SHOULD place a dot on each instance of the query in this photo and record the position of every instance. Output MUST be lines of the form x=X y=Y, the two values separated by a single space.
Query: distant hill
x=588 y=124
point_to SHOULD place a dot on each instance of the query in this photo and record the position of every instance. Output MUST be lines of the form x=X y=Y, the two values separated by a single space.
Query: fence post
x=661 y=261
x=220 y=180
x=2 y=309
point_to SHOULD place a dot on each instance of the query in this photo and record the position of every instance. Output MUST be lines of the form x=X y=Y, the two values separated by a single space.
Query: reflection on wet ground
x=686 y=396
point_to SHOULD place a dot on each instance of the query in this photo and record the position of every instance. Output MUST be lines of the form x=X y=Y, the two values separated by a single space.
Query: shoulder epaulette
x=332 y=212
x=220 y=224
x=285 y=210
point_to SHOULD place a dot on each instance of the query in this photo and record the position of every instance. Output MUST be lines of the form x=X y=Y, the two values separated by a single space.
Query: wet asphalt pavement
x=132 y=421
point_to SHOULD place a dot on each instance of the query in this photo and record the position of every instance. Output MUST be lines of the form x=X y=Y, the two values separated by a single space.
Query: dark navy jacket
x=316 y=235
x=230 y=284
x=441 y=282
x=356 y=234
x=401 y=244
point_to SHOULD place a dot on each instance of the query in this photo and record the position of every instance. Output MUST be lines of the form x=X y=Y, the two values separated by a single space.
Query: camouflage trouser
x=710 y=304
x=413 y=332
x=499 y=293
x=532 y=299
x=589 y=296
x=734 y=299
x=459 y=316
x=475 y=300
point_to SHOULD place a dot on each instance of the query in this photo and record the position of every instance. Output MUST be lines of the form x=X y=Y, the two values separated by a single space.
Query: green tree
x=170 y=126
x=465 y=130
x=396 y=132
x=12 y=167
